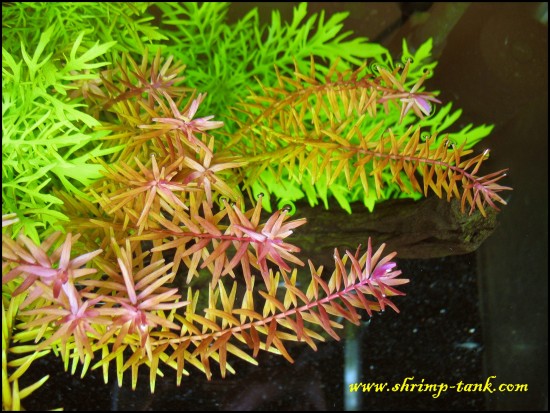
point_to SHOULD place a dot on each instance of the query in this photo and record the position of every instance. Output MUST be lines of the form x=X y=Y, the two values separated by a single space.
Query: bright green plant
x=45 y=136
x=225 y=59
x=49 y=58
x=229 y=61
x=128 y=24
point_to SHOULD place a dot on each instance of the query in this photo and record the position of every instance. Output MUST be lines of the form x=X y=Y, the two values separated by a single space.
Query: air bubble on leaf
x=450 y=143
x=375 y=67
x=427 y=73
x=221 y=201
x=288 y=206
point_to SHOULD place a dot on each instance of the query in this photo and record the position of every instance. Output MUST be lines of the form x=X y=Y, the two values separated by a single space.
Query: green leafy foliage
x=225 y=59
x=46 y=138
x=52 y=54
x=328 y=134
x=126 y=23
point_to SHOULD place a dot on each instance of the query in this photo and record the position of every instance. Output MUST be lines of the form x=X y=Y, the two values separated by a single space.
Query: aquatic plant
x=141 y=232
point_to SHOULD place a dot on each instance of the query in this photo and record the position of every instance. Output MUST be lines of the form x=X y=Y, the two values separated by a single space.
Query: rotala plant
x=173 y=257
x=315 y=127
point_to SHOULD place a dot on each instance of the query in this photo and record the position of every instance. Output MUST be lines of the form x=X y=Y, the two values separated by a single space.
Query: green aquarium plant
x=149 y=175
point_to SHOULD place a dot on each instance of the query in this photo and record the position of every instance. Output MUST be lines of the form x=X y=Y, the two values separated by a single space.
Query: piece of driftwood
x=428 y=228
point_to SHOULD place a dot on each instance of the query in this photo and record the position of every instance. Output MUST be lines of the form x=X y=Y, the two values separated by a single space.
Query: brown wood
x=428 y=228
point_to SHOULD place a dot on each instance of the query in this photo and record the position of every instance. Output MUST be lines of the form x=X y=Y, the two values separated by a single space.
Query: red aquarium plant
x=171 y=259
